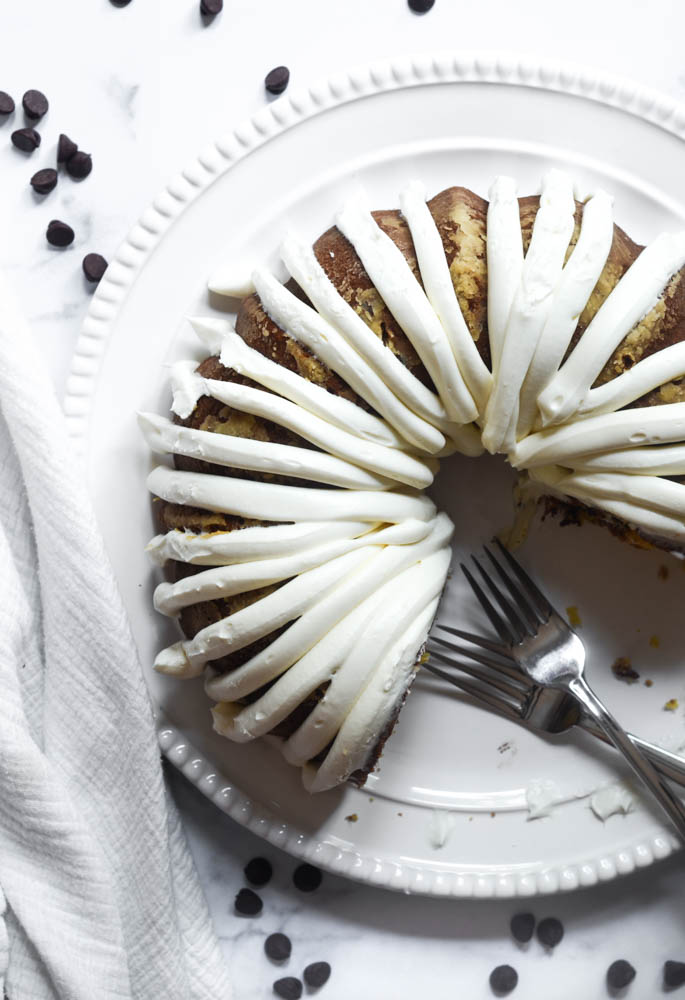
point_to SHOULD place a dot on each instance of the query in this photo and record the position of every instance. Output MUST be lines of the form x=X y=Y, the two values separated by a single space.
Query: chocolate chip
x=59 y=234
x=6 y=103
x=94 y=266
x=503 y=980
x=26 y=139
x=674 y=974
x=44 y=181
x=522 y=926
x=79 y=165
x=550 y=932
x=258 y=871
x=35 y=104
x=289 y=988
x=210 y=8
x=620 y=974
x=278 y=947
x=248 y=903
x=66 y=148
x=307 y=878
x=277 y=80
x=317 y=974
x=120 y=3
x=421 y=6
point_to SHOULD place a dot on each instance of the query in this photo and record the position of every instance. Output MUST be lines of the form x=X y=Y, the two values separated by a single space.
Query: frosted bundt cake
x=307 y=562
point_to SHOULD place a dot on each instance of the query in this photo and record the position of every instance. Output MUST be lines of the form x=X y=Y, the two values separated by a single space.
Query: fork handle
x=669 y=765
x=671 y=805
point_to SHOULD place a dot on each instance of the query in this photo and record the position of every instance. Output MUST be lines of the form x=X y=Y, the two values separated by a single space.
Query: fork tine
x=516 y=624
x=476 y=640
x=530 y=615
x=532 y=590
x=476 y=691
x=500 y=626
x=482 y=675
x=507 y=669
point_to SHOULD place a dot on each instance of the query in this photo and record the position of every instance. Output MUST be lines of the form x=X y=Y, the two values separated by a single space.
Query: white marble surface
x=143 y=88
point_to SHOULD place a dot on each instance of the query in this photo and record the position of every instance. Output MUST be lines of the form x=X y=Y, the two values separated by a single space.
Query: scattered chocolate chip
x=6 y=103
x=307 y=878
x=79 y=165
x=120 y=3
x=278 y=947
x=277 y=80
x=26 y=139
x=59 y=234
x=66 y=148
x=44 y=181
x=550 y=932
x=258 y=871
x=289 y=988
x=210 y=8
x=674 y=974
x=248 y=903
x=94 y=266
x=522 y=926
x=620 y=974
x=421 y=6
x=503 y=980
x=35 y=104
x=317 y=974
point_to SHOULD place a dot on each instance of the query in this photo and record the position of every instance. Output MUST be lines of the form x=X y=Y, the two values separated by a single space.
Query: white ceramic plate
x=451 y=772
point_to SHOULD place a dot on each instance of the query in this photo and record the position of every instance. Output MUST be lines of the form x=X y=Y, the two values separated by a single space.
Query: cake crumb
x=573 y=616
x=654 y=641
x=352 y=818
x=649 y=683
x=424 y=658
x=623 y=670
x=662 y=572
x=671 y=705
x=400 y=814
x=370 y=798
x=492 y=815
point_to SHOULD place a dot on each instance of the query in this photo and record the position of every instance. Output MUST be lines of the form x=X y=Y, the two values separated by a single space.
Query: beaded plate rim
x=291 y=109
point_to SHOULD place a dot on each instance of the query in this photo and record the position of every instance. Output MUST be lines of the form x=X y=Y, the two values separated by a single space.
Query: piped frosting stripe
x=406 y=300
x=532 y=304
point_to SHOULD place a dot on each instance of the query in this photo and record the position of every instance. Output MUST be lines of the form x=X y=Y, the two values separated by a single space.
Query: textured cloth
x=98 y=894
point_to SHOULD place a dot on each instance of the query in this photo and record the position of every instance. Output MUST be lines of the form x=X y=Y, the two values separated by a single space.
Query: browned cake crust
x=460 y=216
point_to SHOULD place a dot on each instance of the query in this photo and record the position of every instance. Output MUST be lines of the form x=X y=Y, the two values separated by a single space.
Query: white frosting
x=648 y=374
x=224 y=548
x=165 y=437
x=234 y=353
x=578 y=279
x=316 y=605
x=610 y=431
x=406 y=300
x=355 y=565
x=388 y=462
x=439 y=288
x=505 y=260
x=634 y=296
x=305 y=325
x=312 y=278
x=532 y=304
x=225 y=581
x=266 y=501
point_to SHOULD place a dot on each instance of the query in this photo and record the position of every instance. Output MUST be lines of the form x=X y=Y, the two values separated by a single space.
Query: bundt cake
x=306 y=561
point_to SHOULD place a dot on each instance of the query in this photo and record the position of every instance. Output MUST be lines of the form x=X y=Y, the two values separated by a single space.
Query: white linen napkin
x=102 y=898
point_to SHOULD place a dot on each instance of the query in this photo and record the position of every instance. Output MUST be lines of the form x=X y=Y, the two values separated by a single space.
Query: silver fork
x=548 y=650
x=504 y=688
